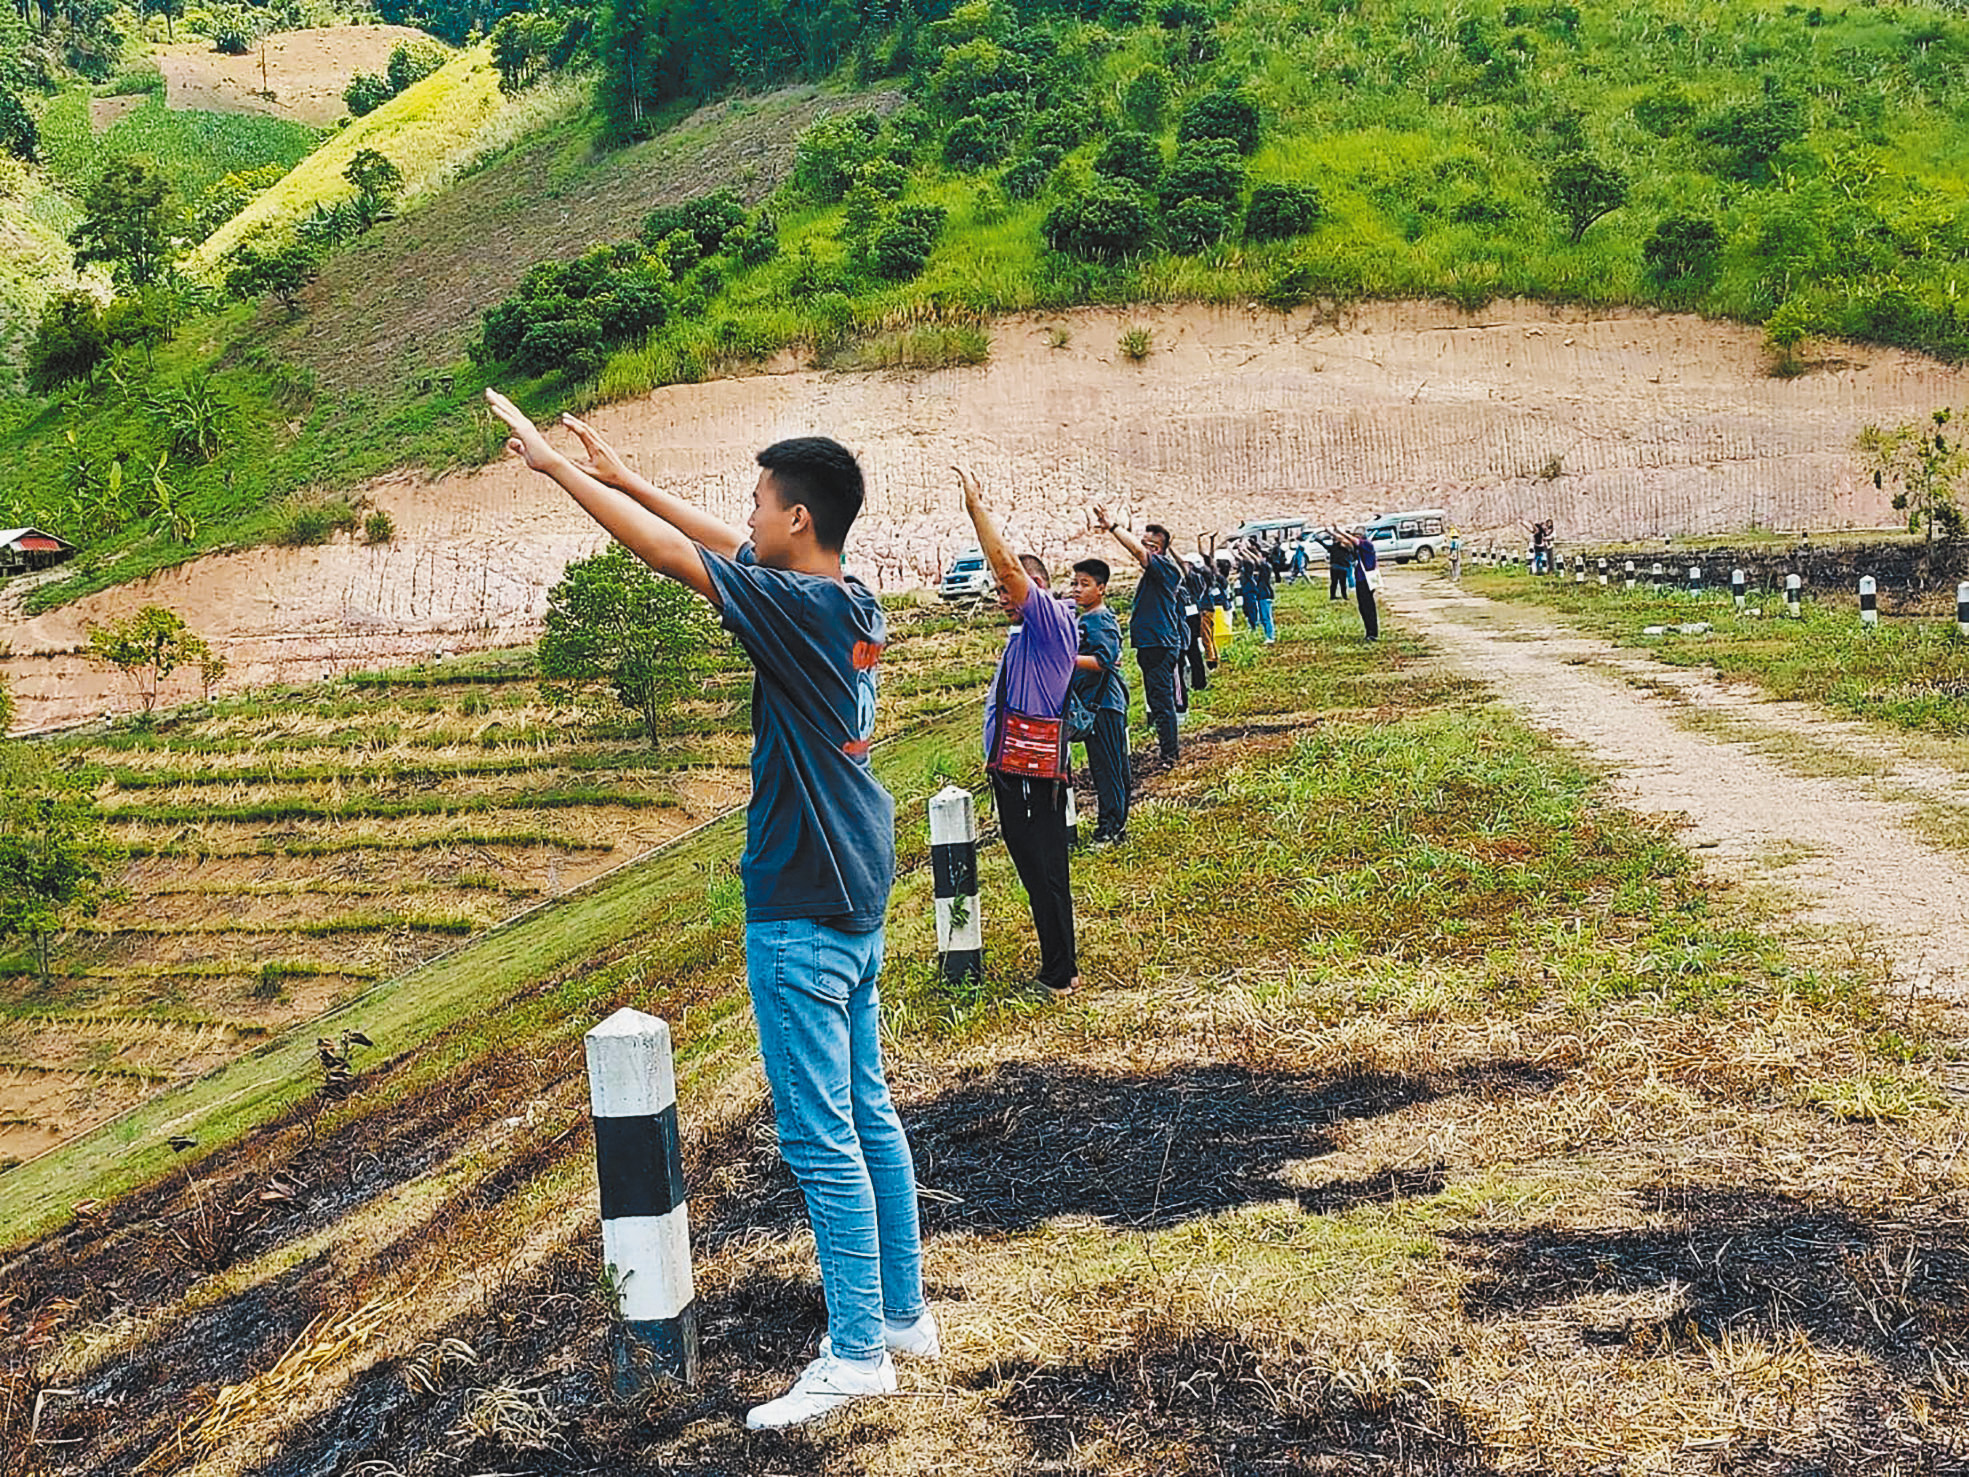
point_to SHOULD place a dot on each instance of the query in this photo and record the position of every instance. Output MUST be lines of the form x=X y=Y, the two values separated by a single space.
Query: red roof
x=36 y=543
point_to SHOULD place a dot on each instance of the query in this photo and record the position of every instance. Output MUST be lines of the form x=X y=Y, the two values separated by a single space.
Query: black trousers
x=1199 y=673
x=1336 y=582
x=1370 y=617
x=1107 y=757
x=1158 y=664
x=1032 y=817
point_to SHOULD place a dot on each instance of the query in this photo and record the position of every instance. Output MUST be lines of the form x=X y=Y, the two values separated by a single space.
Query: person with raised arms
x=818 y=864
x=1156 y=625
x=1025 y=738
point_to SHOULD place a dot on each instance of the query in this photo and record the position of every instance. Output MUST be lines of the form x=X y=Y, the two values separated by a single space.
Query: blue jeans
x=1265 y=619
x=820 y=1032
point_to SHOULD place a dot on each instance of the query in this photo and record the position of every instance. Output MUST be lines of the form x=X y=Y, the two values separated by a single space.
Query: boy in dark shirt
x=1156 y=625
x=1099 y=684
x=819 y=859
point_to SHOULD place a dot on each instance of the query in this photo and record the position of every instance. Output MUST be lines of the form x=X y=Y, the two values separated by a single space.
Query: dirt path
x=1850 y=856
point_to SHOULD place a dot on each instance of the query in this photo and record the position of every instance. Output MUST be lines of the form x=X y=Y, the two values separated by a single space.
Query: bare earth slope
x=1652 y=424
x=306 y=72
x=1849 y=856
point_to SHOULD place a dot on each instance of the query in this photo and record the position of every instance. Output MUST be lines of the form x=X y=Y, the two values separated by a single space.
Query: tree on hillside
x=1928 y=468
x=612 y=619
x=1583 y=189
x=130 y=216
x=19 y=134
x=283 y=272
x=56 y=859
x=69 y=342
x=377 y=184
x=147 y=647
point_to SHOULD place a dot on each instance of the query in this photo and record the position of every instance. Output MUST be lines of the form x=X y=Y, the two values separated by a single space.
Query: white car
x=967 y=578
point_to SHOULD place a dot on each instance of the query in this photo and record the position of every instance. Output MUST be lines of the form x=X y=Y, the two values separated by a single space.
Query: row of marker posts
x=1659 y=578
x=639 y=1163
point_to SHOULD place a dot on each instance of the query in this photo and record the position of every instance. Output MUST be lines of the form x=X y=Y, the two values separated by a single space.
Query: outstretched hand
x=526 y=441
x=599 y=460
x=968 y=481
x=1101 y=519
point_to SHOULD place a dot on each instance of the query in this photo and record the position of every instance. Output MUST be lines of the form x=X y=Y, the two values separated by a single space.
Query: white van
x=967 y=578
x=1414 y=535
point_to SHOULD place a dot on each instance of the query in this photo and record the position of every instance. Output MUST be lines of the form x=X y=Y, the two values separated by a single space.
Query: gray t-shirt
x=820 y=832
x=1100 y=637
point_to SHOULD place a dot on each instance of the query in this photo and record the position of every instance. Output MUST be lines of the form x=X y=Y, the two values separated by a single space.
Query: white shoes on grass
x=830 y=1383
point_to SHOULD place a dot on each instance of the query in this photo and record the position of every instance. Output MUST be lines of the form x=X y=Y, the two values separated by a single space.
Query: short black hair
x=1036 y=567
x=1095 y=569
x=1159 y=530
x=821 y=475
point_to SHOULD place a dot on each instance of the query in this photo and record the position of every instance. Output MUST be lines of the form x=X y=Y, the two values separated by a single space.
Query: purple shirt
x=1038 y=661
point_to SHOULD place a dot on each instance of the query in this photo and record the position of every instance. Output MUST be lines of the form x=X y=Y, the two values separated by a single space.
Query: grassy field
x=1424 y=1112
x=1909 y=672
x=289 y=848
x=194 y=150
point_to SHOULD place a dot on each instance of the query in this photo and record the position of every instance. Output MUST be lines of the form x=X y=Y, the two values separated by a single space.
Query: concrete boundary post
x=646 y=1238
x=1603 y=574
x=1869 y=602
x=1654 y=578
x=1962 y=608
x=1631 y=581
x=1793 y=594
x=1737 y=587
x=1695 y=579
x=954 y=871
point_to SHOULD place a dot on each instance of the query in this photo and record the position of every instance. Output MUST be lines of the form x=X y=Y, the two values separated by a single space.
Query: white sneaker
x=918 y=1340
x=823 y=1388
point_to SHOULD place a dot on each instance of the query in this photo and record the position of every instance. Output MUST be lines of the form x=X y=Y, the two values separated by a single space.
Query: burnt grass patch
x=1025 y=1141
x=1754 y=1260
x=1208 y=1402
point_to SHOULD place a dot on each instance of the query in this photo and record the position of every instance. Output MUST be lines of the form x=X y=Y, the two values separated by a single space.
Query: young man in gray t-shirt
x=819 y=859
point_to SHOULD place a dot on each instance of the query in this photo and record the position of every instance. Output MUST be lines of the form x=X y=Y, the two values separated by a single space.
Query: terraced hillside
x=290 y=847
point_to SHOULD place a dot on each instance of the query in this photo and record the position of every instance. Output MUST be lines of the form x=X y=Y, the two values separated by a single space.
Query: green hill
x=1751 y=160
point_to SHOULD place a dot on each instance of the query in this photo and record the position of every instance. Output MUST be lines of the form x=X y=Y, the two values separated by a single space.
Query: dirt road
x=1842 y=841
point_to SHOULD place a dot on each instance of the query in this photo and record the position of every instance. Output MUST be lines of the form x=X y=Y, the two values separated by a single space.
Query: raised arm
x=998 y=554
x=1128 y=540
x=602 y=462
x=652 y=539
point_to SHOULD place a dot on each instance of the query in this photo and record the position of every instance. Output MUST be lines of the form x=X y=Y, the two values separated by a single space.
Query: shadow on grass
x=1208 y=1401
x=1747 y=1261
x=1026 y=1141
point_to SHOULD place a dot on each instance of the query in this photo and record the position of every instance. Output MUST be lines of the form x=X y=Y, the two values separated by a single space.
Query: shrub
x=828 y=154
x=282 y=272
x=1134 y=157
x=142 y=318
x=1752 y=134
x=757 y=241
x=1278 y=212
x=1146 y=98
x=1105 y=222
x=1682 y=249
x=901 y=249
x=572 y=345
x=68 y=344
x=191 y=418
x=1226 y=115
x=1061 y=127
x=410 y=63
x=1192 y=225
x=233 y=31
x=366 y=93
x=1583 y=189
x=1027 y=178
x=708 y=219
x=378 y=528
x=19 y=134
x=1136 y=344
x=1205 y=169
x=974 y=142
x=975 y=70
x=310 y=523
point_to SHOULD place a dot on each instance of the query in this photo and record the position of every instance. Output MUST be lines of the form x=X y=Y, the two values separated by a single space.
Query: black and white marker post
x=954 y=871
x=1630 y=574
x=1869 y=602
x=1695 y=579
x=1737 y=587
x=1793 y=593
x=1654 y=579
x=1962 y=608
x=646 y=1237
x=1603 y=574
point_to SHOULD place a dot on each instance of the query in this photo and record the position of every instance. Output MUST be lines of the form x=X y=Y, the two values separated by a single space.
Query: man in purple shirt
x=1033 y=677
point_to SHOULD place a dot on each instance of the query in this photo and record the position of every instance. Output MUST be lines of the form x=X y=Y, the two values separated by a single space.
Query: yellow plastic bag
x=1222 y=620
